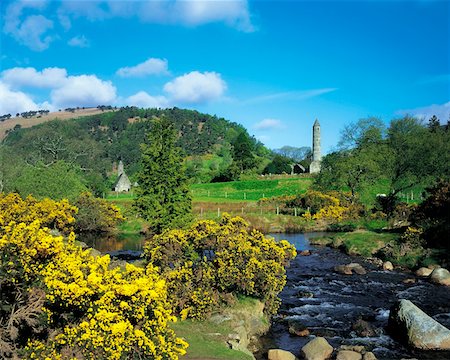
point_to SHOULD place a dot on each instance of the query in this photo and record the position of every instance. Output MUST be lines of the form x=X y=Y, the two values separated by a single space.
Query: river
x=328 y=303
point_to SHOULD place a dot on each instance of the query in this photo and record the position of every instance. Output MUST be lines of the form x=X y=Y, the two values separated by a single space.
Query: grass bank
x=209 y=339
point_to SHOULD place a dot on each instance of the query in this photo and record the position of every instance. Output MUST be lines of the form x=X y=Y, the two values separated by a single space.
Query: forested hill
x=95 y=143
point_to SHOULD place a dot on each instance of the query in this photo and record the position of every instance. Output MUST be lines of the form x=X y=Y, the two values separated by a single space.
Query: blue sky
x=273 y=66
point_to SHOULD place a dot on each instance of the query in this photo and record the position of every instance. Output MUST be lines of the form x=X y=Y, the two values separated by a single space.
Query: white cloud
x=196 y=87
x=442 y=111
x=22 y=77
x=152 y=66
x=12 y=102
x=269 y=124
x=79 y=41
x=143 y=99
x=234 y=13
x=30 y=31
x=83 y=90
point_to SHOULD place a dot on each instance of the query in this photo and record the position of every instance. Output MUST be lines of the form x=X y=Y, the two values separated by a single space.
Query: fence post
x=245 y=196
x=218 y=212
x=278 y=210
x=242 y=210
x=295 y=211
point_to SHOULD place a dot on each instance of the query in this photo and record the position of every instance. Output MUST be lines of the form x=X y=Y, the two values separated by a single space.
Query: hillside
x=11 y=123
x=92 y=141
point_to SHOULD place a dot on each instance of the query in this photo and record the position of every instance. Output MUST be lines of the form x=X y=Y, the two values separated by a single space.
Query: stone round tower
x=316 y=154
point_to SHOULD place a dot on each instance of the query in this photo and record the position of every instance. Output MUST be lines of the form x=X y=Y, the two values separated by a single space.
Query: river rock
x=348 y=355
x=409 y=281
x=412 y=325
x=387 y=265
x=305 y=294
x=278 y=354
x=440 y=276
x=424 y=272
x=317 y=349
x=357 y=268
x=297 y=328
x=363 y=328
x=349 y=269
x=357 y=348
x=343 y=269
x=305 y=252
x=369 y=356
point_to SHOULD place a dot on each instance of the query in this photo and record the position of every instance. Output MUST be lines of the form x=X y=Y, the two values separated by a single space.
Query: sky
x=272 y=66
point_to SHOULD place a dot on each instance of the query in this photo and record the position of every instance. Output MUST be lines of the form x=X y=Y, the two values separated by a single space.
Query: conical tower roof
x=316 y=123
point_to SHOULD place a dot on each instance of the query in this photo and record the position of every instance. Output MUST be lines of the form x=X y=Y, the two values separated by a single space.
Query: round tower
x=316 y=154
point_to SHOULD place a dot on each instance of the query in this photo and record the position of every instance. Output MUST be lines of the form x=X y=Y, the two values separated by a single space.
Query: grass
x=250 y=190
x=208 y=339
x=364 y=243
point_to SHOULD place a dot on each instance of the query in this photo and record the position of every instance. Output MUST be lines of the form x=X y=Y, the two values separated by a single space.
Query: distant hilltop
x=32 y=118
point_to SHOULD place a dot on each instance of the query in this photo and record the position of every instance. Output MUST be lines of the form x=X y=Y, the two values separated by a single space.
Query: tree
x=370 y=130
x=242 y=152
x=279 y=164
x=163 y=197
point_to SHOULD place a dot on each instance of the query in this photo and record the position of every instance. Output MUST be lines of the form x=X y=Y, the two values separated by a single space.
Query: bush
x=96 y=215
x=206 y=263
x=58 y=301
x=341 y=227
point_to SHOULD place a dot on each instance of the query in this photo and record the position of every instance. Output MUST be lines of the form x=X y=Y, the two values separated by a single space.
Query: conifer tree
x=162 y=197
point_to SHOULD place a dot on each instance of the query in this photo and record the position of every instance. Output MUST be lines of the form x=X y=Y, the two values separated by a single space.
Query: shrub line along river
x=328 y=303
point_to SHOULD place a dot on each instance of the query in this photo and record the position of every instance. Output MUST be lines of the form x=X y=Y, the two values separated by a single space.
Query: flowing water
x=328 y=303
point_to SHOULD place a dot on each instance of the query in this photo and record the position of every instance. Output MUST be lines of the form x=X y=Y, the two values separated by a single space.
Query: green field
x=251 y=190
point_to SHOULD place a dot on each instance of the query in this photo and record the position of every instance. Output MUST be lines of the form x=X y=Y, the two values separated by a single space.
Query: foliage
x=243 y=152
x=94 y=143
x=210 y=260
x=408 y=250
x=433 y=216
x=59 y=215
x=279 y=165
x=162 y=197
x=294 y=153
x=408 y=155
x=96 y=215
x=57 y=181
x=58 y=301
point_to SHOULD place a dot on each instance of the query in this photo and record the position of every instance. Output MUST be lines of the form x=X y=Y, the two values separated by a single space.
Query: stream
x=328 y=303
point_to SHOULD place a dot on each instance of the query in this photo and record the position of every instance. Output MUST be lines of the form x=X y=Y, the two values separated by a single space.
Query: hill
x=92 y=142
x=10 y=124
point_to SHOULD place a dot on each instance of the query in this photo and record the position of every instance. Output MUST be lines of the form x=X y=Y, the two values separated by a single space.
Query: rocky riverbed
x=350 y=310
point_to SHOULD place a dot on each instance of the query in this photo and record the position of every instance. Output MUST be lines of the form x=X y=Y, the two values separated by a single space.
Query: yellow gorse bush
x=53 y=214
x=91 y=309
x=211 y=260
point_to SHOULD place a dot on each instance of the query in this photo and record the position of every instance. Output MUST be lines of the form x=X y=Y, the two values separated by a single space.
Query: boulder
x=363 y=328
x=411 y=325
x=343 y=269
x=349 y=269
x=278 y=354
x=317 y=349
x=305 y=252
x=387 y=265
x=369 y=356
x=357 y=348
x=348 y=355
x=424 y=272
x=440 y=276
